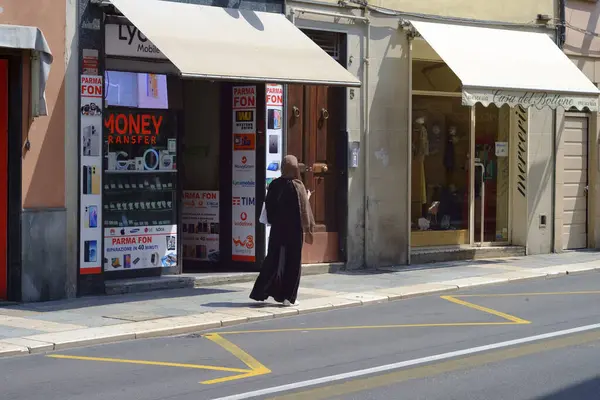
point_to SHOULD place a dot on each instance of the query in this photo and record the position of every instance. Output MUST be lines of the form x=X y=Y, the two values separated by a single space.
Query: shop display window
x=440 y=171
x=140 y=173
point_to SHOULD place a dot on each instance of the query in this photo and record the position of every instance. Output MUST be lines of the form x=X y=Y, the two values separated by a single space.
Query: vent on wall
x=328 y=41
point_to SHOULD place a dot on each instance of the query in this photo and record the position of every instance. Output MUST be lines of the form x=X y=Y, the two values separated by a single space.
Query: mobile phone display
x=273 y=144
x=92 y=217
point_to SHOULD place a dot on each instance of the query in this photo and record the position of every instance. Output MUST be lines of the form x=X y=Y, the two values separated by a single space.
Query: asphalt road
x=479 y=344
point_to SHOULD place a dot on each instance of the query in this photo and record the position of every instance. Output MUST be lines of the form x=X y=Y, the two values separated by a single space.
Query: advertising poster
x=140 y=247
x=244 y=173
x=274 y=153
x=90 y=165
x=200 y=230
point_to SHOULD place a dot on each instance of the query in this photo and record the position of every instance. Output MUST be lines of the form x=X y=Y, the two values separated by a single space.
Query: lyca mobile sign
x=128 y=41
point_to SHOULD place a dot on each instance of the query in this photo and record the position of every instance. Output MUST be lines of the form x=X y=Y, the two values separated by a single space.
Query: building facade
x=577 y=189
x=426 y=131
x=34 y=237
x=443 y=177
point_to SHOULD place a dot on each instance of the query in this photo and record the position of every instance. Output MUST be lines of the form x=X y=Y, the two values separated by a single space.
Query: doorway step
x=444 y=254
x=197 y=280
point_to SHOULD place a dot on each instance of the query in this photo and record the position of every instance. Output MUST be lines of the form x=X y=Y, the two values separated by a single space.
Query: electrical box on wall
x=354 y=154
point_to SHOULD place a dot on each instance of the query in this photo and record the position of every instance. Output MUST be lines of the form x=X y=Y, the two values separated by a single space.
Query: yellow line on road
x=509 y=317
x=256 y=368
x=528 y=294
x=460 y=364
x=342 y=328
x=153 y=363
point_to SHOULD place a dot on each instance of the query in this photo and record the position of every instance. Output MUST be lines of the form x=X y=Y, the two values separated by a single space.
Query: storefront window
x=440 y=171
x=140 y=173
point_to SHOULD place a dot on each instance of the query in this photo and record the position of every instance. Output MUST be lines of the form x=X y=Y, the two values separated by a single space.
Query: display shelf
x=156 y=171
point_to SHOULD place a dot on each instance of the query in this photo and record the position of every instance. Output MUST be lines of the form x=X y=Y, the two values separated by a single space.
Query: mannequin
x=420 y=146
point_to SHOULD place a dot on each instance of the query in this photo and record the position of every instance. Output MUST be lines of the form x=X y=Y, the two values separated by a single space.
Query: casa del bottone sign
x=127 y=41
x=527 y=99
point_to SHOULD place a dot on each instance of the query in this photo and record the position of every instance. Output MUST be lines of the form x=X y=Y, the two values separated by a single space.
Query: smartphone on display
x=95 y=181
x=90 y=251
x=127 y=261
x=274 y=119
x=86 y=219
x=273 y=144
x=152 y=86
x=92 y=217
x=85 y=179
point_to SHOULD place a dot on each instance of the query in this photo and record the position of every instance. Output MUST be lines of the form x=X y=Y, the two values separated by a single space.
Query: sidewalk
x=41 y=327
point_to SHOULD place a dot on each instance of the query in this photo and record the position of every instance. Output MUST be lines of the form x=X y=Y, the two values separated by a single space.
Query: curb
x=171 y=326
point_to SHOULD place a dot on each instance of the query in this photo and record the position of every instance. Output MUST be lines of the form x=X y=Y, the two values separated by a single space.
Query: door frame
x=342 y=144
x=14 y=201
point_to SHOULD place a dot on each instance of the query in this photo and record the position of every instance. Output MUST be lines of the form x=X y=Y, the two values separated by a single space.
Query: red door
x=3 y=175
x=314 y=114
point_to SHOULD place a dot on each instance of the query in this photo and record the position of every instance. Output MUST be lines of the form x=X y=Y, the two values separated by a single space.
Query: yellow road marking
x=500 y=314
x=153 y=363
x=256 y=368
x=529 y=294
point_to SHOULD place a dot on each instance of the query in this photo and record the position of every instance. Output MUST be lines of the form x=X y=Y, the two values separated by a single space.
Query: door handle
x=324 y=114
x=320 y=168
x=296 y=112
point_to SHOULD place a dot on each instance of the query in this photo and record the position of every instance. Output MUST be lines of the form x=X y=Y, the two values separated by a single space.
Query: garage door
x=575 y=178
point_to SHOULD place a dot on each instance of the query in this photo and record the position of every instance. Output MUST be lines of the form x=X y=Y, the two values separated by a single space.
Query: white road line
x=403 y=364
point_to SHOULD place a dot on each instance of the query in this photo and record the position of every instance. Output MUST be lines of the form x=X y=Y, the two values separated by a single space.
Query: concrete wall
x=387 y=91
x=584 y=50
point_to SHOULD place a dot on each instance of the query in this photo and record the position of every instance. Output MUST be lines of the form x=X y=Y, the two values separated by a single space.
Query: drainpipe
x=294 y=11
x=409 y=149
x=560 y=41
x=367 y=135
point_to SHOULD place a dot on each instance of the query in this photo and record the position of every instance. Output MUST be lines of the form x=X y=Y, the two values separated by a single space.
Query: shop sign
x=200 y=229
x=134 y=127
x=274 y=153
x=90 y=165
x=527 y=99
x=128 y=41
x=243 y=173
x=139 y=250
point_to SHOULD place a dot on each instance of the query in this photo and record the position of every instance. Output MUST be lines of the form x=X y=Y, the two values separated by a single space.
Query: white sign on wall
x=128 y=41
x=200 y=225
x=90 y=182
x=140 y=247
x=274 y=153
x=244 y=174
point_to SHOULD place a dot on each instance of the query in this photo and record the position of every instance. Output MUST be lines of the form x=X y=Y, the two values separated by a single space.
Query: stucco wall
x=43 y=165
x=519 y=11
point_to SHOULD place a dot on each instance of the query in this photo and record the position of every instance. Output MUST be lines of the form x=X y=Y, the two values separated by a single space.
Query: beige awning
x=503 y=66
x=230 y=44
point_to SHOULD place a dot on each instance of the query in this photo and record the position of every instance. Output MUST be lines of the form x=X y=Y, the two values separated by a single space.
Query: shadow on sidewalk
x=95 y=301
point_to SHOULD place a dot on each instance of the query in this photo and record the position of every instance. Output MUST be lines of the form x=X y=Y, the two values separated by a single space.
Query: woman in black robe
x=292 y=223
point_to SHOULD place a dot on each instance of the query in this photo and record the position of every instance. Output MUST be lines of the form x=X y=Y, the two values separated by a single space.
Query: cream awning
x=231 y=44
x=501 y=66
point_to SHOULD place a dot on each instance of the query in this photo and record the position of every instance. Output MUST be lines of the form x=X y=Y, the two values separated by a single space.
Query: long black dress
x=280 y=273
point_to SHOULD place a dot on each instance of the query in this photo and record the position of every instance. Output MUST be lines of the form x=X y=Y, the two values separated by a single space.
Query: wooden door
x=3 y=177
x=314 y=115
